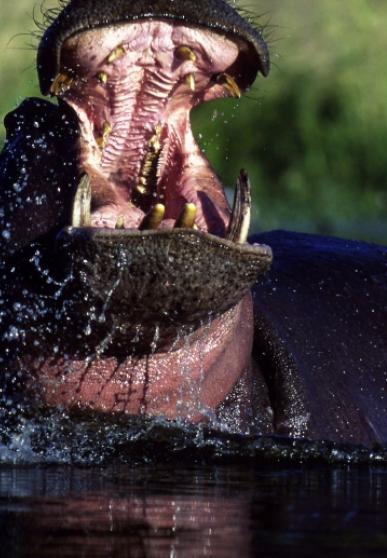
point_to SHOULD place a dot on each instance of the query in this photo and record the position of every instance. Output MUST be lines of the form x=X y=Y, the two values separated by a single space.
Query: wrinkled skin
x=104 y=317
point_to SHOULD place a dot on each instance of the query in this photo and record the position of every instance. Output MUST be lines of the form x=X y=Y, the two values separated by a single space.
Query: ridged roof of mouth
x=132 y=86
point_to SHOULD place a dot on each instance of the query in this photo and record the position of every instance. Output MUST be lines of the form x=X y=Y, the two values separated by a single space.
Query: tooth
x=120 y=223
x=141 y=189
x=81 y=216
x=141 y=186
x=153 y=218
x=154 y=142
x=151 y=158
x=106 y=129
x=190 y=81
x=230 y=85
x=185 y=53
x=102 y=77
x=241 y=213
x=61 y=84
x=115 y=54
x=186 y=219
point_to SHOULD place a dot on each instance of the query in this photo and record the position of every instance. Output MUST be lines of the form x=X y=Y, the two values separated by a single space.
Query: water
x=192 y=511
x=86 y=485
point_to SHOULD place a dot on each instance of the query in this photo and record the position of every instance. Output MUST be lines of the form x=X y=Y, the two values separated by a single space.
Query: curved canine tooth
x=102 y=77
x=153 y=218
x=61 y=84
x=185 y=53
x=186 y=219
x=230 y=85
x=190 y=81
x=106 y=129
x=241 y=213
x=115 y=54
x=81 y=215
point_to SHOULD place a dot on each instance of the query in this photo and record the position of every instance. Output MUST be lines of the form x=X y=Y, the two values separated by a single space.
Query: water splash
x=94 y=439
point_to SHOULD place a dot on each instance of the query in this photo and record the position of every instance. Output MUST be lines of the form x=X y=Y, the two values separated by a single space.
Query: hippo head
x=149 y=211
x=149 y=245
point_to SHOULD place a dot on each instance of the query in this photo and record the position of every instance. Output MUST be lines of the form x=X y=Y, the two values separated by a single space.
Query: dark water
x=212 y=510
x=87 y=486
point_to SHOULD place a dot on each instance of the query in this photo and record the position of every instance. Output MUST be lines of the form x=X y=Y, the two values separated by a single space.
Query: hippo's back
x=321 y=336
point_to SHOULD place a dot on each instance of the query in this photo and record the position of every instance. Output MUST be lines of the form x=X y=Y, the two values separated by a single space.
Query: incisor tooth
x=230 y=85
x=185 y=53
x=190 y=81
x=153 y=218
x=115 y=54
x=61 y=84
x=120 y=223
x=81 y=216
x=186 y=219
x=241 y=213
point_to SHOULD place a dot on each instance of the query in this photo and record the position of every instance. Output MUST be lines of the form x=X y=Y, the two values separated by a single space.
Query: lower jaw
x=187 y=383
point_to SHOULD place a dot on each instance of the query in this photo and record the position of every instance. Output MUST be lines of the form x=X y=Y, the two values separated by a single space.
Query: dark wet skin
x=102 y=314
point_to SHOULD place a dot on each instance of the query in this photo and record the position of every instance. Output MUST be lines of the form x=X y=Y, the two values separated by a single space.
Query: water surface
x=86 y=485
x=169 y=510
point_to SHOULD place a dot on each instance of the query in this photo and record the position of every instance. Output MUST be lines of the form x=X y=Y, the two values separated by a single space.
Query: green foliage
x=313 y=136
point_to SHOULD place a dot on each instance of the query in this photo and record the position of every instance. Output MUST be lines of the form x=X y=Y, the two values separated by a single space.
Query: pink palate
x=146 y=86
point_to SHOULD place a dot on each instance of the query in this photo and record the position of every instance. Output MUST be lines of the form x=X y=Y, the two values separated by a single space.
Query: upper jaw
x=216 y=15
x=132 y=87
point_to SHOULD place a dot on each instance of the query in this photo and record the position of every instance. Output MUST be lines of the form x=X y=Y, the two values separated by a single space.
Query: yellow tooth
x=154 y=142
x=186 y=219
x=185 y=53
x=154 y=218
x=230 y=85
x=141 y=189
x=120 y=223
x=106 y=129
x=61 y=84
x=141 y=186
x=154 y=148
x=102 y=77
x=190 y=81
x=115 y=54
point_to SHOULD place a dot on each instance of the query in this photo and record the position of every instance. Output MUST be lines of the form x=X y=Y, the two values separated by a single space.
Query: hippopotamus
x=130 y=285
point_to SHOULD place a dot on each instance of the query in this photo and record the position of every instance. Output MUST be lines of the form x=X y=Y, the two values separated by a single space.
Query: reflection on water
x=174 y=511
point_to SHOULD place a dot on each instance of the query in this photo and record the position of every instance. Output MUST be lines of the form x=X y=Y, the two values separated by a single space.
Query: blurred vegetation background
x=313 y=136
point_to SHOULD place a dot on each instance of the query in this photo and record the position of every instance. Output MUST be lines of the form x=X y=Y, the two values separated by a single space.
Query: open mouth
x=132 y=87
x=153 y=244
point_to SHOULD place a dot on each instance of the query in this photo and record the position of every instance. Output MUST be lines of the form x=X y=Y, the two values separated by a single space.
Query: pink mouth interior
x=122 y=104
